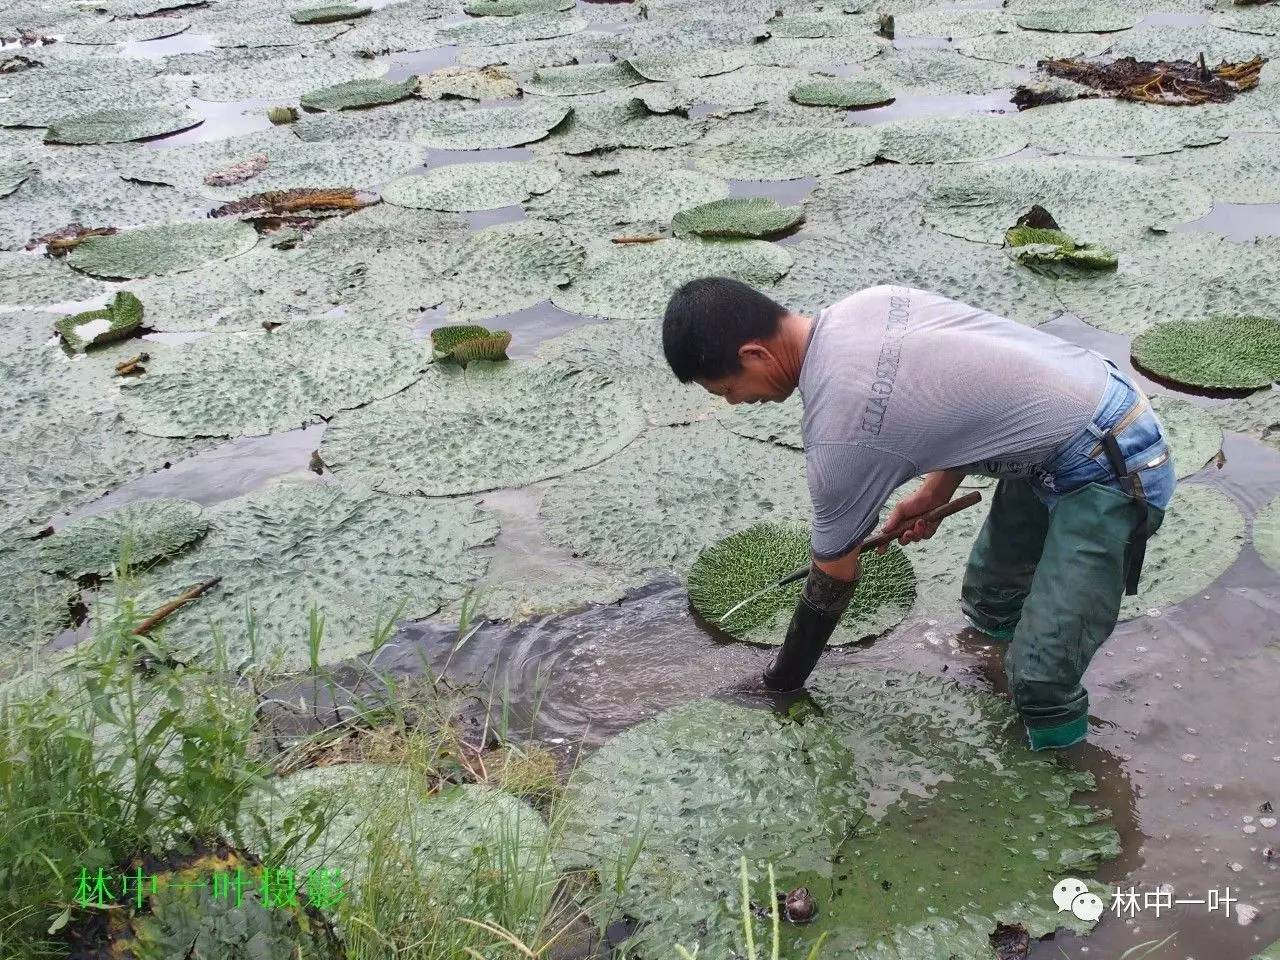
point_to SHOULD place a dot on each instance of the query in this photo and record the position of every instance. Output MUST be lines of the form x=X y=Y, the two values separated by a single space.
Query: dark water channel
x=1200 y=680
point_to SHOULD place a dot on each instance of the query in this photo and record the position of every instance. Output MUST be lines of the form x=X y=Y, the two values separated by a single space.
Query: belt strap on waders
x=1133 y=487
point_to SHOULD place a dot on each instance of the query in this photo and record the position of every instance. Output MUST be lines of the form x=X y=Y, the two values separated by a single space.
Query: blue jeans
x=1081 y=460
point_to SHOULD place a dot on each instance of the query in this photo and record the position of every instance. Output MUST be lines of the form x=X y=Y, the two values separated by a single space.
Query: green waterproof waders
x=1051 y=584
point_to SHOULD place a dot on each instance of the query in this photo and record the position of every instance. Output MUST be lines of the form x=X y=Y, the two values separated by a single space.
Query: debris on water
x=282 y=115
x=1235 y=866
x=61 y=242
x=1160 y=81
x=1246 y=913
x=1265 y=807
x=1250 y=828
x=1267 y=822
x=1270 y=853
x=18 y=63
x=237 y=172
x=1011 y=941
x=1189 y=758
x=293 y=207
x=132 y=366
x=798 y=906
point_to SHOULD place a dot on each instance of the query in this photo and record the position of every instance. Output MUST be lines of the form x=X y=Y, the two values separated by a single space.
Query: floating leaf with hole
x=332 y=13
x=169 y=248
x=1039 y=247
x=359 y=559
x=644 y=199
x=949 y=139
x=472 y=186
x=1084 y=19
x=1088 y=197
x=748 y=561
x=249 y=384
x=354 y=94
x=655 y=506
x=581 y=79
x=121 y=318
x=1266 y=540
x=687 y=65
x=630 y=354
x=789 y=154
x=508 y=267
x=492 y=128
x=737 y=217
x=634 y=281
x=466 y=343
x=1202 y=534
x=490 y=426
x=120 y=125
x=140 y=533
x=1218 y=353
x=848 y=92
x=1194 y=435
x=870 y=786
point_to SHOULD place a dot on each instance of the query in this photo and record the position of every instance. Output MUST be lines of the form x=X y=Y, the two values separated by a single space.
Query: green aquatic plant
x=466 y=343
x=1036 y=246
x=737 y=217
x=1219 y=353
x=847 y=92
x=748 y=561
x=120 y=319
x=143 y=532
x=329 y=14
x=356 y=94
x=282 y=115
x=121 y=124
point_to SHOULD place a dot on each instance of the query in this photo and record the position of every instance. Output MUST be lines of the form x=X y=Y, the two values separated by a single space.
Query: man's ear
x=753 y=353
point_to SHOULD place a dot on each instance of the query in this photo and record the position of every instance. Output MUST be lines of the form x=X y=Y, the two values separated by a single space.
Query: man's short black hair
x=708 y=319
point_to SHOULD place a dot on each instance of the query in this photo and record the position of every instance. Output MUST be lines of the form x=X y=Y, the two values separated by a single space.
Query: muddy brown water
x=1185 y=728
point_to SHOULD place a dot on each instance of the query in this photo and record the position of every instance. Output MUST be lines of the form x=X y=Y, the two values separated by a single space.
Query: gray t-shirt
x=897 y=382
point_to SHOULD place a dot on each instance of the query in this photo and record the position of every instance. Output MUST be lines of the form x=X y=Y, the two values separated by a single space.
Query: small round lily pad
x=472 y=186
x=848 y=92
x=1220 y=353
x=354 y=94
x=752 y=559
x=121 y=125
x=168 y=248
x=1266 y=534
x=138 y=532
x=751 y=217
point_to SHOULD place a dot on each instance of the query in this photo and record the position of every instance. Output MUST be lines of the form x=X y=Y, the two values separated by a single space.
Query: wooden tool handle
x=932 y=516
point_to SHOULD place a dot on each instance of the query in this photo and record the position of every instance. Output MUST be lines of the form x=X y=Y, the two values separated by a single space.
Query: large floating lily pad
x=1187 y=43
x=747 y=87
x=34 y=281
x=1241 y=170
x=277 y=77
x=737 y=217
x=332 y=13
x=645 y=199
x=1266 y=540
x=488 y=31
x=1257 y=415
x=511 y=8
x=121 y=125
x=492 y=425
x=359 y=558
x=1026 y=48
x=253 y=383
x=169 y=248
x=509 y=267
x=492 y=127
x=1220 y=353
x=634 y=281
x=404 y=25
x=942 y=72
x=657 y=504
x=841 y=92
x=1194 y=435
x=1089 y=198
x=752 y=559
x=33 y=605
x=354 y=94
x=1201 y=537
x=630 y=354
x=581 y=79
x=950 y=23
x=139 y=533
x=132 y=30
x=789 y=154
x=628 y=123
x=472 y=186
x=882 y=778
x=1104 y=127
x=819 y=53
x=814 y=25
x=1091 y=19
x=445 y=836
x=771 y=422
x=949 y=139
x=688 y=64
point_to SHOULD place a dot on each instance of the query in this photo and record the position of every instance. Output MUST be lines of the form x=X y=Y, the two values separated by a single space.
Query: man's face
x=759 y=381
